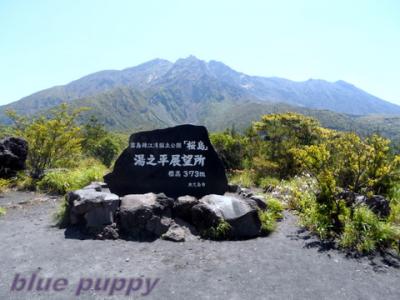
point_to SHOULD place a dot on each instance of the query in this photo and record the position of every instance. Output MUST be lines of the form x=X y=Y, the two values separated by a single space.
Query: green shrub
x=268 y=183
x=271 y=215
x=297 y=192
x=268 y=221
x=230 y=148
x=281 y=134
x=54 y=139
x=219 y=232
x=4 y=185
x=316 y=218
x=394 y=216
x=2 y=211
x=394 y=193
x=243 y=178
x=275 y=206
x=24 y=182
x=106 y=150
x=62 y=181
x=364 y=232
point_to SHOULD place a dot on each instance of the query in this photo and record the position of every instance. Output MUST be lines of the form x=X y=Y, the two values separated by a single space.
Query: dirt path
x=285 y=265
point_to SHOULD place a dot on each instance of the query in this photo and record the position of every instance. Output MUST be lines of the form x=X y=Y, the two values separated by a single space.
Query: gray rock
x=191 y=232
x=13 y=154
x=205 y=216
x=237 y=212
x=379 y=205
x=247 y=193
x=145 y=215
x=234 y=188
x=95 y=209
x=257 y=202
x=97 y=186
x=109 y=232
x=158 y=225
x=175 y=233
x=183 y=207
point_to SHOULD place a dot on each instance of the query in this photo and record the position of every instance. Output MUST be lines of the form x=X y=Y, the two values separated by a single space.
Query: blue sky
x=47 y=43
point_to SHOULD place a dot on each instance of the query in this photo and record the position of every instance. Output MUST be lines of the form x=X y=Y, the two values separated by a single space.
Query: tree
x=98 y=142
x=282 y=133
x=230 y=148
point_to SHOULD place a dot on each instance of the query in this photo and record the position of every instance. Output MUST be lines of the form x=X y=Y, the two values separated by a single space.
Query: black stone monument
x=176 y=161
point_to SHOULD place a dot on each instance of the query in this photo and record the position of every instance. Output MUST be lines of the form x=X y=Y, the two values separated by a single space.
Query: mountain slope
x=160 y=93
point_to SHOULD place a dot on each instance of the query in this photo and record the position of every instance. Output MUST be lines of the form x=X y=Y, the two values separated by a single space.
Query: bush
x=105 y=150
x=316 y=218
x=282 y=133
x=270 y=216
x=24 y=182
x=98 y=143
x=62 y=181
x=364 y=232
x=268 y=183
x=275 y=206
x=4 y=184
x=230 y=148
x=243 y=178
x=54 y=141
x=268 y=221
x=357 y=229
x=394 y=193
x=394 y=216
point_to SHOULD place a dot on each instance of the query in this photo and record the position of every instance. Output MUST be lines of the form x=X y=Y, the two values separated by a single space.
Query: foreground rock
x=145 y=215
x=13 y=153
x=377 y=203
x=92 y=208
x=150 y=215
x=175 y=233
x=242 y=217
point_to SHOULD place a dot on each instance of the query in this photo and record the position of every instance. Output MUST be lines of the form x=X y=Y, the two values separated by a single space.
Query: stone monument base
x=103 y=215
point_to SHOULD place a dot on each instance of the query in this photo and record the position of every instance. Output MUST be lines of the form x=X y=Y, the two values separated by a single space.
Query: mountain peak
x=190 y=61
x=192 y=80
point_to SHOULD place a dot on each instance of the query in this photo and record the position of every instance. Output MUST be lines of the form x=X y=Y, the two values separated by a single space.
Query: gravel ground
x=289 y=264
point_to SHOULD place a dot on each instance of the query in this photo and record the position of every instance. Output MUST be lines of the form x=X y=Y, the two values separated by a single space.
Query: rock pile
x=150 y=215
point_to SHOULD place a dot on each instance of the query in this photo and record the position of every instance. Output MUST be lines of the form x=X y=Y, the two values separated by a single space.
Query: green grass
x=60 y=216
x=271 y=215
x=4 y=185
x=268 y=183
x=361 y=230
x=268 y=221
x=243 y=178
x=364 y=232
x=219 y=232
x=62 y=181
x=2 y=211
x=394 y=193
x=275 y=206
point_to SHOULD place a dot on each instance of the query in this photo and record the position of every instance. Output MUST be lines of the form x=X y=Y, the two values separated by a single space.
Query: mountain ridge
x=161 y=93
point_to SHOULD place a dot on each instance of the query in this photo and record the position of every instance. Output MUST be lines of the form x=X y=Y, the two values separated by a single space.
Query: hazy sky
x=47 y=43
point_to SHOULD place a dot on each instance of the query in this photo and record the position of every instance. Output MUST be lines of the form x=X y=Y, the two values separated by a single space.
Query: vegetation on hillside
x=63 y=154
x=293 y=155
